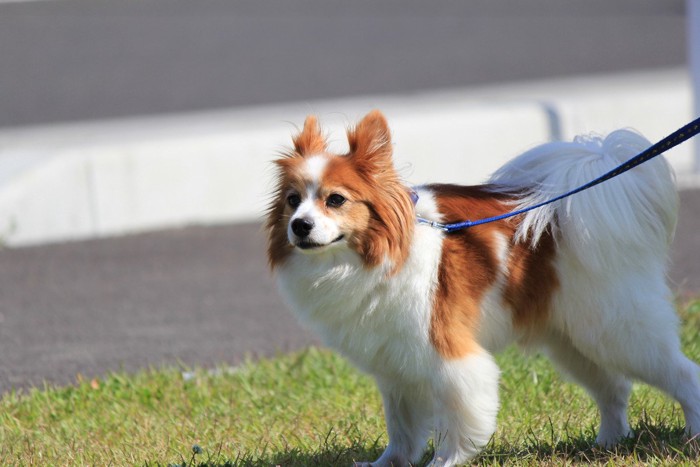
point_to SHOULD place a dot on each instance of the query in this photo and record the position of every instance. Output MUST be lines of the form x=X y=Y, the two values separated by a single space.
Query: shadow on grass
x=344 y=456
x=331 y=453
x=652 y=444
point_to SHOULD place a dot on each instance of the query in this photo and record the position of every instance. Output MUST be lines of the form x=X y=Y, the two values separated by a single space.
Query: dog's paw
x=610 y=440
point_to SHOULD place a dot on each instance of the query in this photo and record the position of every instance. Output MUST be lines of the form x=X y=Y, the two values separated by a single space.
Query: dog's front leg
x=408 y=415
x=466 y=405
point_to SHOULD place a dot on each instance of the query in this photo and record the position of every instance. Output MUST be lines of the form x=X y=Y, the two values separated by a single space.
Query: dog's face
x=325 y=202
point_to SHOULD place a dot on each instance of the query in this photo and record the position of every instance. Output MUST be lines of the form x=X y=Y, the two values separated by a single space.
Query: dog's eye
x=294 y=200
x=335 y=200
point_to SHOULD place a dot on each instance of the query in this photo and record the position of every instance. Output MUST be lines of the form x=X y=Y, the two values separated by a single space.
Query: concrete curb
x=78 y=181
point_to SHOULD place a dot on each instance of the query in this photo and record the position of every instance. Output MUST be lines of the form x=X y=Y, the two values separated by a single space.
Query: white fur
x=611 y=320
x=426 y=206
x=360 y=312
x=466 y=398
x=637 y=209
x=496 y=329
x=314 y=167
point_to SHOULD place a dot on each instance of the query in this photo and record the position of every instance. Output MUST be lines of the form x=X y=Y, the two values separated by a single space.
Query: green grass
x=312 y=408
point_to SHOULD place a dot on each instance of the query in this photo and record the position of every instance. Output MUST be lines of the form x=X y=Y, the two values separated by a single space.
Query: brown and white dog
x=423 y=311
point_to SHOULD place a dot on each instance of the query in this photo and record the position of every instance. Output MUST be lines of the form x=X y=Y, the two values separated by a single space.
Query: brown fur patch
x=310 y=140
x=470 y=266
x=531 y=283
x=392 y=218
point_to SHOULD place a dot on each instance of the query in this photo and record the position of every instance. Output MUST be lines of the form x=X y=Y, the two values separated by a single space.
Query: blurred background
x=73 y=60
x=135 y=141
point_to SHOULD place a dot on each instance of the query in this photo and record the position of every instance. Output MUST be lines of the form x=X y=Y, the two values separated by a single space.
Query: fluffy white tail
x=637 y=209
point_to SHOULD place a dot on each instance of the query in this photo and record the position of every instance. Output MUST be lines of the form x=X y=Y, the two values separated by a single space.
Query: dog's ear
x=389 y=231
x=370 y=142
x=310 y=140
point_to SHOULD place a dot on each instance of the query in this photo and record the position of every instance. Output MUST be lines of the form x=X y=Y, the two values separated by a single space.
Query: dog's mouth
x=308 y=245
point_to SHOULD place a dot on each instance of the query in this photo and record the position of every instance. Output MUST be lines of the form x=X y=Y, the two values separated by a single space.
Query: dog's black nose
x=301 y=227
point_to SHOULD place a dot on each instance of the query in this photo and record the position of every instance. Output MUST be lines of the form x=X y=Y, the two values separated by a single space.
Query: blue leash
x=674 y=139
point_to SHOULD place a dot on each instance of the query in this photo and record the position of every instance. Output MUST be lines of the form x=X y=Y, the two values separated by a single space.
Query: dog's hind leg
x=609 y=390
x=639 y=338
x=662 y=364
x=651 y=351
x=684 y=386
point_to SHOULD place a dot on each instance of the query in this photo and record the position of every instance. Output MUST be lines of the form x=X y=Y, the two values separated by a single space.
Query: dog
x=422 y=311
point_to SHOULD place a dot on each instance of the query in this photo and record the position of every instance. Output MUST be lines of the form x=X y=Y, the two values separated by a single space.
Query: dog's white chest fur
x=380 y=322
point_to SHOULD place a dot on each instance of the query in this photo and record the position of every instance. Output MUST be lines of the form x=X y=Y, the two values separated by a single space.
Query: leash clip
x=433 y=224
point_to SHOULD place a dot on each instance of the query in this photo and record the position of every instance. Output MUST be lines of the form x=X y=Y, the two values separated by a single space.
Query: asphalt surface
x=203 y=296
x=193 y=296
x=77 y=60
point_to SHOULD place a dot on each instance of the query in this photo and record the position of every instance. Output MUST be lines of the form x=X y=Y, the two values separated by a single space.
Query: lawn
x=312 y=408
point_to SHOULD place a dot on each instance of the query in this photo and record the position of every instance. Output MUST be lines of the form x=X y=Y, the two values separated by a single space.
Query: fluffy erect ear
x=389 y=233
x=310 y=140
x=370 y=141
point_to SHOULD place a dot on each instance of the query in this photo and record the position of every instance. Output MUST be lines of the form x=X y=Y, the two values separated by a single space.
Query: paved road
x=76 y=60
x=199 y=296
